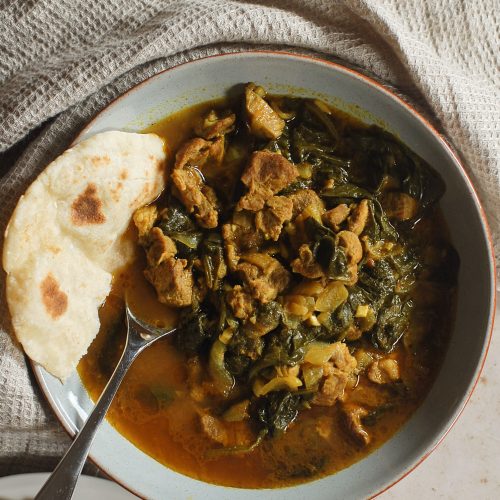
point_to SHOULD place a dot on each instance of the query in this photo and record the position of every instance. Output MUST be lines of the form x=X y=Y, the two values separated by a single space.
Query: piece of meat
x=144 y=219
x=228 y=434
x=160 y=247
x=336 y=372
x=342 y=359
x=241 y=302
x=399 y=206
x=201 y=390
x=265 y=175
x=262 y=119
x=359 y=216
x=264 y=276
x=384 y=371
x=212 y=125
x=217 y=151
x=353 y=274
x=172 y=281
x=353 y=249
x=334 y=217
x=304 y=198
x=191 y=189
x=331 y=388
x=193 y=153
x=306 y=265
x=196 y=196
x=239 y=239
x=352 y=419
x=271 y=218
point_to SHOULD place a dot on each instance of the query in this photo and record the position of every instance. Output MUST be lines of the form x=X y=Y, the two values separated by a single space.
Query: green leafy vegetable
x=277 y=410
x=242 y=351
x=286 y=346
x=328 y=254
x=223 y=379
x=176 y=224
x=193 y=331
x=392 y=322
x=212 y=253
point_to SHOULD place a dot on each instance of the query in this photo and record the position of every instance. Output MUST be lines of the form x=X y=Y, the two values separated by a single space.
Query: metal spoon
x=61 y=483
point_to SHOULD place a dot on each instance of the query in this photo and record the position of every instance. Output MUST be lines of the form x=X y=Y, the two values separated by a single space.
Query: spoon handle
x=61 y=483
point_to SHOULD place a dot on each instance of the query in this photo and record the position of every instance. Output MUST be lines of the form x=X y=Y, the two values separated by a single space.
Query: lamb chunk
x=336 y=372
x=241 y=302
x=172 y=281
x=271 y=218
x=304 y=198
x=161 y=247
x=357 y=220
x=228 y=434
x=399 y=206
x=144 y=219
x=196 y=196
x=240 y=236
x=353 y=274
x=200 y=389
x=212 y=125
x=352 y=418
x=266 y=174
x=334 y=217
x=193 y=153
x=384 y=371
x=342 y=359
x=217 y=150
x=264 y=276
x=262 y=119
x=352 y=245
x=306 y=265
x=331 y=389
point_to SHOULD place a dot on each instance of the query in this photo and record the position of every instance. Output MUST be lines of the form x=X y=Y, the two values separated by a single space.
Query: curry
x=303 y=256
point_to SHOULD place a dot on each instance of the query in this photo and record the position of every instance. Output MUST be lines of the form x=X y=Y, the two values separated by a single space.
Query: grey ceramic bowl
x=211 y=78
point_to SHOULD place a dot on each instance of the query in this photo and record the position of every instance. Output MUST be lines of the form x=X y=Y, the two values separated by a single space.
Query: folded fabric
x=70 y=58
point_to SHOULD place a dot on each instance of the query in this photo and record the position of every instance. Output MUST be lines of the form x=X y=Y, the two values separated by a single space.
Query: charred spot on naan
x=54 y=299
x=100 y=160
x=86 y=209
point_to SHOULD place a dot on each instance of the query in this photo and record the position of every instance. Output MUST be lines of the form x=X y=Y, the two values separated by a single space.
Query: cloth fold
x=69 y=58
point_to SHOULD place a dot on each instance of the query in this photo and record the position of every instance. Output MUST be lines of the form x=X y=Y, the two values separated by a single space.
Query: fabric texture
x=69 y=58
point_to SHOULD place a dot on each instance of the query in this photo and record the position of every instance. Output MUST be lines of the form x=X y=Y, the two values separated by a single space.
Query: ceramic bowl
x=280 y=73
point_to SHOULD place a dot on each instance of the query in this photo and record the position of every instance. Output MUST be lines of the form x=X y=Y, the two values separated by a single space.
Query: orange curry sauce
x=153 y=409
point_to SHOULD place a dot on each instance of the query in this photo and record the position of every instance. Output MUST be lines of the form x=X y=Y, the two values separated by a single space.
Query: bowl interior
x=211 y=78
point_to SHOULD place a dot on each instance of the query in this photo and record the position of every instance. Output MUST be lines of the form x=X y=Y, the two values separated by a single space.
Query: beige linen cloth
x=69 y=58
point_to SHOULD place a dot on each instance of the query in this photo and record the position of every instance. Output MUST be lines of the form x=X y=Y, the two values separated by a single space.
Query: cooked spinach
x=392 y=322
x=212 y=253
x=330 y=256
x=276 y=411
x=176 y=224
x=286 y=346
x=243 y=350
x=194 y=331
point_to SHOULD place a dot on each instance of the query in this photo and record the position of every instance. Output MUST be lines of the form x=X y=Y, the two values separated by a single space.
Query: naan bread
x=66 y=238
